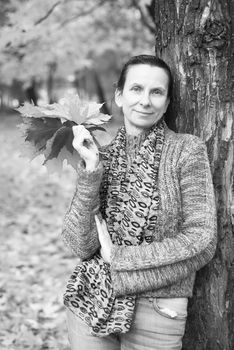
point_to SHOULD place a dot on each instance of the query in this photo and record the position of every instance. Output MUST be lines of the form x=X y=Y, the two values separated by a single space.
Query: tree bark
x=196 y=39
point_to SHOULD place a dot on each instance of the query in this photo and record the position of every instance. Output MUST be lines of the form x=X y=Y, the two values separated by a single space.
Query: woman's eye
x=136 y=88
x=156 y=92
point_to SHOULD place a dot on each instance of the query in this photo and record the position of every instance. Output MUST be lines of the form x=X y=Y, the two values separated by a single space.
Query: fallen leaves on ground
x=35 y=264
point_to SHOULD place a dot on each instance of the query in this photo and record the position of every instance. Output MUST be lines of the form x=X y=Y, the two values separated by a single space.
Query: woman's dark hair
x=149 y=60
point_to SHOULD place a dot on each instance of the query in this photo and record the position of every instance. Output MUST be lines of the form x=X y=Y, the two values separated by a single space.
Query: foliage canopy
x=69 y=34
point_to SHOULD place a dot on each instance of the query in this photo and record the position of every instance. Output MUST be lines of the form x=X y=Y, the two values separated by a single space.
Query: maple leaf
x=69 y=108
x=55 y=165
x=39 y=130
x=77 y=109
x=48 y=128
x=56 y=110
x=94 y=127
x=30 y=110
x=83 y=112
x=98 y=119
x=62 y=137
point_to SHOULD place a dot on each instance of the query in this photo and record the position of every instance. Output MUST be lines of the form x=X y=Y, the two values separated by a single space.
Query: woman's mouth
x=144 y=113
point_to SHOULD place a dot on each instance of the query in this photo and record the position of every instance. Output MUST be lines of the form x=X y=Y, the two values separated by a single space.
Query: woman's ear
x=118 y=98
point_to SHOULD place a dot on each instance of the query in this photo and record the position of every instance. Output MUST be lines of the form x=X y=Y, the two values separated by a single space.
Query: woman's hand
x=86 y=147
x=105 y=240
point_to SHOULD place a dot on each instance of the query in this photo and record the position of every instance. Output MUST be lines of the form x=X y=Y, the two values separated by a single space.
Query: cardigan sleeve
x=140 y=281
x=197 y=237
x=79 y=229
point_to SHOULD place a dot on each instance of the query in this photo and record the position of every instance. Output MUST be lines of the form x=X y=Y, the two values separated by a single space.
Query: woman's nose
x=145 y=100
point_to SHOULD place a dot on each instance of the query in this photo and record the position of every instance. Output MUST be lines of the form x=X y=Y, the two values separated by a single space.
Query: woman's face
x=144 y=97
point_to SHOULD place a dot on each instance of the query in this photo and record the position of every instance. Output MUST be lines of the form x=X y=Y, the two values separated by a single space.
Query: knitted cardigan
x=185 y=236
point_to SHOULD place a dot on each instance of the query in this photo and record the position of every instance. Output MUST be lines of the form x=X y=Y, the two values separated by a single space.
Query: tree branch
x=84 y=13
x=48 y=13
x=144 y=17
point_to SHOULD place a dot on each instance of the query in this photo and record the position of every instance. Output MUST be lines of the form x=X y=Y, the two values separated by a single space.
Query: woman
x=142 y=221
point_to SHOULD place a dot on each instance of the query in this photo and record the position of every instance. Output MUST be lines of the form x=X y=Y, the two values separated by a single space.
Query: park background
x=49 y=48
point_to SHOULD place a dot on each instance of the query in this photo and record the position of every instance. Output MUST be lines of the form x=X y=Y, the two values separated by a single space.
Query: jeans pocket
x=172 y=308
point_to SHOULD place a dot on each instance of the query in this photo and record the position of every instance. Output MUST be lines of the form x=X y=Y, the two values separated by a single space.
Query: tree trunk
x=50 y=81
x=31 y=92
x=100 y=93
x=16 y=91
x=196 y=39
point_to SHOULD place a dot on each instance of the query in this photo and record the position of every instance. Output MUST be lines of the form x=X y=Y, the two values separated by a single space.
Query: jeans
x=159 y=324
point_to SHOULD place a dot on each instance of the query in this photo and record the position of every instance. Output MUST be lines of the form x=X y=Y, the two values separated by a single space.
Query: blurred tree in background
x=48 y=46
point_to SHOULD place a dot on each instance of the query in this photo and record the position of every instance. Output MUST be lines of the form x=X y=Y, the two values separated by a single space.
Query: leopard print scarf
x=129 y=204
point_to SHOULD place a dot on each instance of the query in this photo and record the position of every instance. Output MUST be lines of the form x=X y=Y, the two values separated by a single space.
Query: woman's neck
x=136 y=131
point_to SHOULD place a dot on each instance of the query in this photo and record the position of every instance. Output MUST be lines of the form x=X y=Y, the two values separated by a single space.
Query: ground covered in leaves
x=35 y=264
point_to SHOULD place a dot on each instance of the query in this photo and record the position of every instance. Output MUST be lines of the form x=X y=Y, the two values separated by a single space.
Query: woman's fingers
x=101 y=233
x=104 y=238
x=102 y=228
x=84 y=144
x=81 y=134
x=98 y=224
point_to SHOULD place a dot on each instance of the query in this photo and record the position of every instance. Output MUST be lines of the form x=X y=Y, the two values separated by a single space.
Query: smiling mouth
x=146 y=113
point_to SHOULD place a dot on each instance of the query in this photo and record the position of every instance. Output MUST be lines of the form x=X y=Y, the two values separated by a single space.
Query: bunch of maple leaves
x=47 y=129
